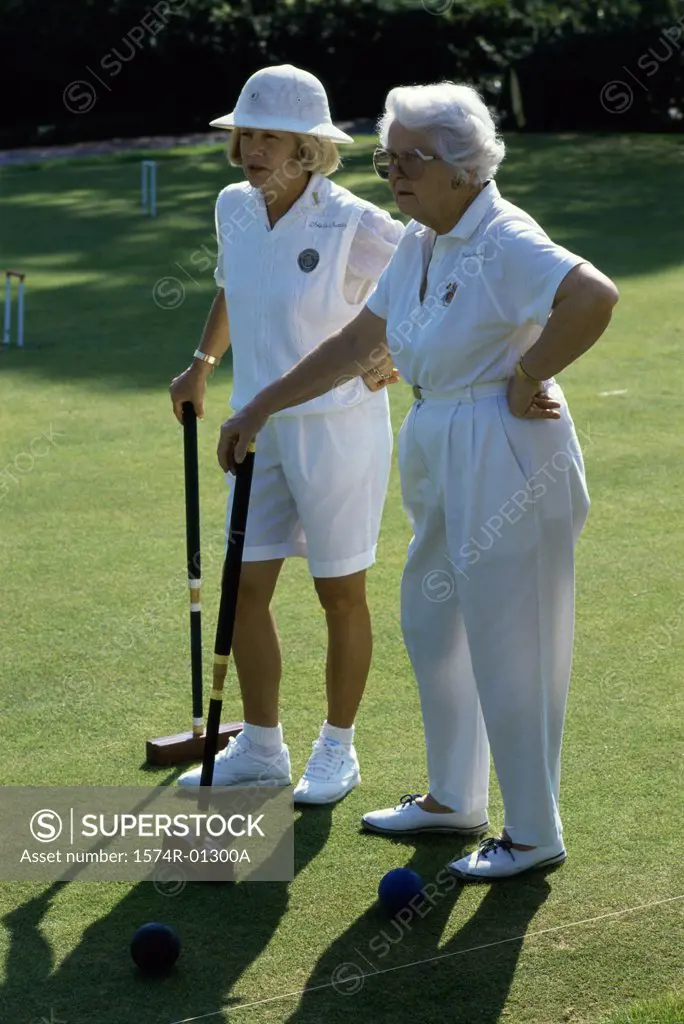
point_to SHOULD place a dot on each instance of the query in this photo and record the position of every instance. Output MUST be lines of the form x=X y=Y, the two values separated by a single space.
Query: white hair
x=456 y=120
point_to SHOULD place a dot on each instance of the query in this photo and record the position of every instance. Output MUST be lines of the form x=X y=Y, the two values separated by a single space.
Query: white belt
x=470 y=393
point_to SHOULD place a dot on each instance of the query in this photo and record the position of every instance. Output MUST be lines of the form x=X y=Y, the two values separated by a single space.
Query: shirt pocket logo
x=450 y=291
x=308 y=260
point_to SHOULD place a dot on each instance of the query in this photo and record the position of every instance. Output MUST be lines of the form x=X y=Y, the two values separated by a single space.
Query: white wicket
x=7 y=332
x=148 y=186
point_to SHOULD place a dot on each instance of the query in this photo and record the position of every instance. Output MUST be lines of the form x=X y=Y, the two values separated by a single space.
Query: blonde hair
x=320 y=156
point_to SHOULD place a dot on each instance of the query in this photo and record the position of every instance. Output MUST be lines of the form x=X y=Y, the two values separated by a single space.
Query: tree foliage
x=171 y=65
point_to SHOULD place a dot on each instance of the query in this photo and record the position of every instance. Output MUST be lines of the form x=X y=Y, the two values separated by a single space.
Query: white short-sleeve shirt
x=490 y=289
x=288 y=287
x=375 y=239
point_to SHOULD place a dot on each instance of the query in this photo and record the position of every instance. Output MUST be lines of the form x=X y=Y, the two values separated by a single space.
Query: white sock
x=266 y=739
x=333 y=732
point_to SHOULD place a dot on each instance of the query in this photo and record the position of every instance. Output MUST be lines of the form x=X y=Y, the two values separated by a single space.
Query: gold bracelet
x=212 y=360
x=522 y=372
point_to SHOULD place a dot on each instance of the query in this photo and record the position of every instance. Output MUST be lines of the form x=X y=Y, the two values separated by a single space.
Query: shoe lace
x=493 y=845
x=324 y=761
x=233 y=749
x=409 y=798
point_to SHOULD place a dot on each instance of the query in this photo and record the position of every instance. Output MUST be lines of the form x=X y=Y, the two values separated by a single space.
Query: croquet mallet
x=230 y=583
x=189 y=746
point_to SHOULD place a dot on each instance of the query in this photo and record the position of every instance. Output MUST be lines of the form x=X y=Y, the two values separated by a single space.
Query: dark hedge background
x=73 y=70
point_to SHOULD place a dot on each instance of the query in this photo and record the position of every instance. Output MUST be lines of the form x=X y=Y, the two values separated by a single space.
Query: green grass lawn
x=95 y=649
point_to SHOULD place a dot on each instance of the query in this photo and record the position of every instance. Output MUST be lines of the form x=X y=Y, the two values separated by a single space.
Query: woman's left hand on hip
x=528 y=402
x=236 y=434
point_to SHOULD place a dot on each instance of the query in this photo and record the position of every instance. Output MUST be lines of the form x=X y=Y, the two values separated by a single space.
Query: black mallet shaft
x=192 y=539
x=230 y=582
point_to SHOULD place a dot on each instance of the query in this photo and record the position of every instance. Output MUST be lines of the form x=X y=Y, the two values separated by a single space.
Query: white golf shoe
x=241 y=765
x=409 y=818
x=495 y=858
x=331 y=772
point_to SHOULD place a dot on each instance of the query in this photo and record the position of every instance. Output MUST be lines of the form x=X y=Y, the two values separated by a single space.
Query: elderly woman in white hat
x=298 y=255
x=479 y=309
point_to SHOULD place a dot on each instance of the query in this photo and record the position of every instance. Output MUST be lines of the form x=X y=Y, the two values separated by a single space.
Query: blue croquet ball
x=397 y=888
x=155 y=948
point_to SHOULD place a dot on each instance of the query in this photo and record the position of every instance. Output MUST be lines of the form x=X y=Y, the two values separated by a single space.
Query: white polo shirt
x=490 y=289
x=288 y=287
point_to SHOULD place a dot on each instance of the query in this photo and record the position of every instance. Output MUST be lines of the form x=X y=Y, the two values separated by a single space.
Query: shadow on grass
x=388 y=970
x=122 y=298
x=223 y=929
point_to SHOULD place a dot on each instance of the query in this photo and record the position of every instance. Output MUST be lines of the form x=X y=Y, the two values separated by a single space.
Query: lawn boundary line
x=441 y=956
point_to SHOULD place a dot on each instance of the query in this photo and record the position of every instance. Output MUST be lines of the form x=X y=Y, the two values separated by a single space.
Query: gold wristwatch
x=212 y=360
x=522 y=372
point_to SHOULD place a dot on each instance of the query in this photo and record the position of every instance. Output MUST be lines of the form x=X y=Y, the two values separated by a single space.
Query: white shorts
x=319 y=487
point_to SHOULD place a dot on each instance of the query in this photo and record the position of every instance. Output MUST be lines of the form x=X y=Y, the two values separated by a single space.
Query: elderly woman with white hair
x=480 y=309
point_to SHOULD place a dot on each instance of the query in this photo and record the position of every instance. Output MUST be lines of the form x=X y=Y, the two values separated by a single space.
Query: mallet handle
x=230 y=582
x=192 y=543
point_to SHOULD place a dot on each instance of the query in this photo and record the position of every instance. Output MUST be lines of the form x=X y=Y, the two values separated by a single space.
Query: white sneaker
x=495 y=858
x=409 y=817
x=331 y=772
x=240 y=765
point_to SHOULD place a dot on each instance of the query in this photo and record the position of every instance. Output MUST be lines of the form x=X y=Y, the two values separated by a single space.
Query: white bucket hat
x=283 y=98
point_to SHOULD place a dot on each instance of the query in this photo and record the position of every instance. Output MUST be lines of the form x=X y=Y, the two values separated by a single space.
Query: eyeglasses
x=410 y=163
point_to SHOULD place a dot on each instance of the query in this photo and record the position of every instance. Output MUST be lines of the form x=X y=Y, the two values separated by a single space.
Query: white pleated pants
x=487 y=600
